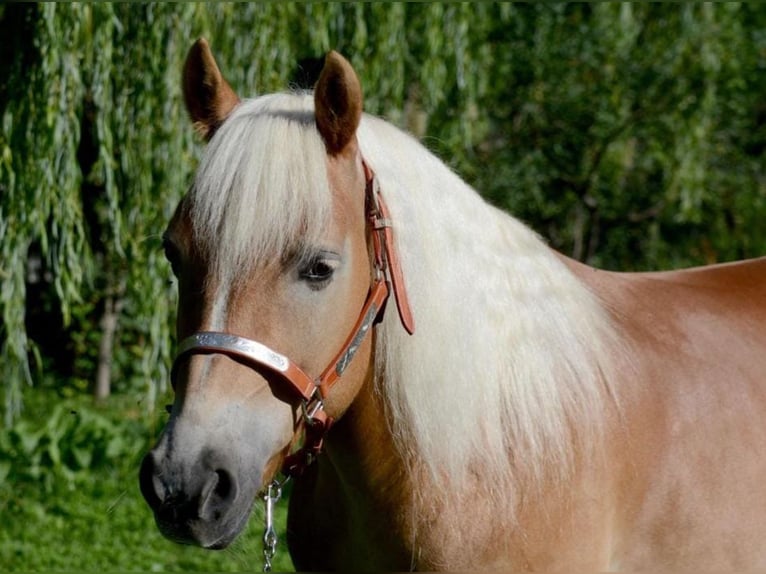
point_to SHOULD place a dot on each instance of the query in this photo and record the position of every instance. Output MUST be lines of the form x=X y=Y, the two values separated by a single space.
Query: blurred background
x=630 y=136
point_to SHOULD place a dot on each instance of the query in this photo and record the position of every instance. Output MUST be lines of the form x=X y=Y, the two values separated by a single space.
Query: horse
x=446 y=390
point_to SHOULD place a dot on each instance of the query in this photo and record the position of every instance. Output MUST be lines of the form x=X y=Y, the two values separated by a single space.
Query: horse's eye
x=318 y=271
x=172 y=254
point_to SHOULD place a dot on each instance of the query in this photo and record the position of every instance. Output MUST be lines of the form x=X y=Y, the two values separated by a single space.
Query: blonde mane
x=505 y=372
x=506 y=375
x=261 y=188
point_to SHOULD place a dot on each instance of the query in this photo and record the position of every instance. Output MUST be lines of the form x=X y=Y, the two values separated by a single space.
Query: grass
x=57 y=516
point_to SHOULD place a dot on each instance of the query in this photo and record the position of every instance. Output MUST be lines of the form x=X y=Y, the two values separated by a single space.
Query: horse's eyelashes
x=172 y=254
x=317 y=271
x=320 y=270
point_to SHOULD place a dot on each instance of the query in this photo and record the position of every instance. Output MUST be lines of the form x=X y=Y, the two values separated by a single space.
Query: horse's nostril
x=151 y=486
x=224 y=486
x=217 y=495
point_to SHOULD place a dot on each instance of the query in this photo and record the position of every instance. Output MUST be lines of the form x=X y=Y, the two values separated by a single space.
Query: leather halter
x=279 y=369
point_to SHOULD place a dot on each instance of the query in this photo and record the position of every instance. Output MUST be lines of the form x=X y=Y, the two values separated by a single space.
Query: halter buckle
x=309 y=410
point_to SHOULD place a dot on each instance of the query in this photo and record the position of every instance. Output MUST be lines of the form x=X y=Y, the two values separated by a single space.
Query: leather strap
x=395 y=271
x=370 y=314
x=379 y=219
x=256 y=355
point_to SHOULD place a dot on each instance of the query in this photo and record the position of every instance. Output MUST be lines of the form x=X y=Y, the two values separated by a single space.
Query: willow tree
x=631 y=134
x=628 y=134
x=96 y=150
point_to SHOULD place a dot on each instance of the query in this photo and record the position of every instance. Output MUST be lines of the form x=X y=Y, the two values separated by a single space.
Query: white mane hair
x=505 y=377
x=258 y=192
x=507 y=374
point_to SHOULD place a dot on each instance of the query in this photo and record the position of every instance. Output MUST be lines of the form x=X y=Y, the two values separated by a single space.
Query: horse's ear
x=337 y=103
x=209 y=98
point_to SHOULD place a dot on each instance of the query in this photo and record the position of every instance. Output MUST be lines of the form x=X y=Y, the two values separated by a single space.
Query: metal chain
x=270 y=539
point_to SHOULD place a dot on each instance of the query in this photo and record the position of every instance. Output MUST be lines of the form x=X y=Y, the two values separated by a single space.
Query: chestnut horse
x=494 y=404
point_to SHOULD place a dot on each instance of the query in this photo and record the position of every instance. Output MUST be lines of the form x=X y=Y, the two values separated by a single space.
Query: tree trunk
x=108 y=324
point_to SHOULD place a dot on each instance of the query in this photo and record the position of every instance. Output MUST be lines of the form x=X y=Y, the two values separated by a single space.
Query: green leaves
x=67 y=447
x=617 y=129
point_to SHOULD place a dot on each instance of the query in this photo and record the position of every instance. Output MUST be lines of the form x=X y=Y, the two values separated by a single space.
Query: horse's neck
x=361 y=447
x=384 y=515
x=380 y=510
x=357 y=497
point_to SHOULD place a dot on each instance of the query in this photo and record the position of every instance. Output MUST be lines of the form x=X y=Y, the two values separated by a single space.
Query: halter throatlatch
x=279 y=369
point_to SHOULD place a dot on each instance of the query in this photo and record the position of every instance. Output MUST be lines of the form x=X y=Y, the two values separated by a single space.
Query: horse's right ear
x=337 y=103
x=209 y=98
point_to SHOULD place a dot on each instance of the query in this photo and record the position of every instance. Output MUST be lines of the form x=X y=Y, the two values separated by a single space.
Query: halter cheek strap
x=280 y=369
x=379 y=219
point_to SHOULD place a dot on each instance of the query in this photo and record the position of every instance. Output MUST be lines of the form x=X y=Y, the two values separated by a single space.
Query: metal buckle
x=309 y=410
x=381 y=223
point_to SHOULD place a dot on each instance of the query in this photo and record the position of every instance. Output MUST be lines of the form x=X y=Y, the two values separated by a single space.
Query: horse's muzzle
x=199 y=507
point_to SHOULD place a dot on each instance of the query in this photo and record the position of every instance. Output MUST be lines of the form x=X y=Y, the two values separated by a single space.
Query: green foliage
x=629 y=134
x=70 y=444
x=70 y=501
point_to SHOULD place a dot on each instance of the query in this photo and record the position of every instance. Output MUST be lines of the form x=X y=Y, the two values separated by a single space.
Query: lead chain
x=270 y=539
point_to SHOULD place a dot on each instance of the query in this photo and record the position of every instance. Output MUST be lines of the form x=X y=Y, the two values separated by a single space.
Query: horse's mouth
x=216 y=534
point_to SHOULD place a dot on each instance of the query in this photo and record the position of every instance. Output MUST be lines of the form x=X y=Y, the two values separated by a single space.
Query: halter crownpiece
x=280 y=369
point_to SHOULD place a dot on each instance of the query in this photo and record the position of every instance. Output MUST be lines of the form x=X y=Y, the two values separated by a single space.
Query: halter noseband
x=281 y=370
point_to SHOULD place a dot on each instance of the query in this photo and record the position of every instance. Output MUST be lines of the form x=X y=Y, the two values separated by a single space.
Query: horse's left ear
x=337 y=103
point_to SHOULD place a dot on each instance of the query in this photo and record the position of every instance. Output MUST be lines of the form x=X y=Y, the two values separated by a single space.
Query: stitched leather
x=395 y=271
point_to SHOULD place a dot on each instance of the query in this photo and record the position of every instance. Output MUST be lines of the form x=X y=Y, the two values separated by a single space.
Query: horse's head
x=271 y=245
